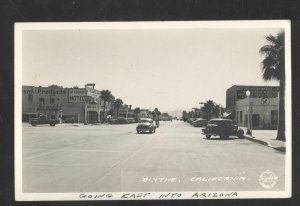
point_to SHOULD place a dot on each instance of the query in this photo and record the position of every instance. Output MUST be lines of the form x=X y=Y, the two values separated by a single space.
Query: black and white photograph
x=153 y=110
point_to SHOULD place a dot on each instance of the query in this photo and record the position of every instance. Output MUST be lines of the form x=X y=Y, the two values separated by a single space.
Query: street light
x=200 y=106
x=248 y=129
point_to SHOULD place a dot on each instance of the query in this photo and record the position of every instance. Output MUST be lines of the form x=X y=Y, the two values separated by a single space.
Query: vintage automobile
x=42 y=119
x=190 y=120
x=146 y=125
x=223 y=128
x=200 y=122
x=113 y=121
x=123 y=120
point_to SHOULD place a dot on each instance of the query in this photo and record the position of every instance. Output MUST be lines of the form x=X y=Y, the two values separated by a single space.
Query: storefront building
x=67 y=104
x=261 y=106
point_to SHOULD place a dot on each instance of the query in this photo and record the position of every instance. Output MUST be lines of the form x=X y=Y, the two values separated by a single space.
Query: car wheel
x=222 y=136
x=33 y=123
x=52 y=124
x=154 y=131
x=208 y=136
x=137 y=131
x=240 y=134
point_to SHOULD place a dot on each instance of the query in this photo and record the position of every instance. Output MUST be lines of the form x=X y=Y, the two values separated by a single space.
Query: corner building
x=70 y=104
x=261 y=105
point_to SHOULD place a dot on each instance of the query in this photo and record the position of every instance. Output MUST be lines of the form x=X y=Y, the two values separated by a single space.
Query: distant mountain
x=175 y=113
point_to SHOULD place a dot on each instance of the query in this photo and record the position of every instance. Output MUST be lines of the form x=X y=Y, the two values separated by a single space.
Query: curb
x=253 y=139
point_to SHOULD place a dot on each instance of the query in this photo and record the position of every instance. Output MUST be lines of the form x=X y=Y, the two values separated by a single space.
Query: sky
x=165 y=68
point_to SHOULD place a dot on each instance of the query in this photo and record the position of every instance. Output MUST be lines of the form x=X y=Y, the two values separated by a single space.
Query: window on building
x=241 y=116
x=42 y=101
x=51 y=100
x=30 y=98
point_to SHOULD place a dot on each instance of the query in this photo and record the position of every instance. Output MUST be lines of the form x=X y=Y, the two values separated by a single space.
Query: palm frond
x=269 y=50
x=268 y=74
x=280 y=38
x=272 y=39
x=269 y=61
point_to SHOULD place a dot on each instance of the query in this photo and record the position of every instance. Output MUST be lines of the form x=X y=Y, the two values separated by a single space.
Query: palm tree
x=136 y=111
x=118 y=103
x=107 y=97
x=184 y=115
x=209 y=109
x=273 y=68
x=156 y=113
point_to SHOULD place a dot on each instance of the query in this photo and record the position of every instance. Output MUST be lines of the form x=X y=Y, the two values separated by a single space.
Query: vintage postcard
x=152 y=110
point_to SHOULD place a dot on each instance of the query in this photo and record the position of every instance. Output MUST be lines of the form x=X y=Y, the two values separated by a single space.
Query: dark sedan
x=223 y=128
x=146 y=125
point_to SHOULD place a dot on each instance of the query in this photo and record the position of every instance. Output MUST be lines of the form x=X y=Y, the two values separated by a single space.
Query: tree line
x=108 y=98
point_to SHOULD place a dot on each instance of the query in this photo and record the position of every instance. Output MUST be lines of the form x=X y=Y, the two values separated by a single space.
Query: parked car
x=131 y=120
x=122 y=120
x=146 y=125
x=69 y=120
x=190 y=120
x=223 y=128
x=200 y=122
x=113 y=121
x=42 y=119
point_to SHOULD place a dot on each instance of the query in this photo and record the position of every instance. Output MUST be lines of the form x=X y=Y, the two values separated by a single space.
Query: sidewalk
x=267 y=138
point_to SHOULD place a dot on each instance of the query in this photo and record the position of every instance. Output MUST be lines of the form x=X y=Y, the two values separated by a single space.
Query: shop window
x=51 y=100
x=42 y=101
x=30 y=98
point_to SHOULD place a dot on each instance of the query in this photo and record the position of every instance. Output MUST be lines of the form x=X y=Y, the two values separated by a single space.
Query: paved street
x=113 y=158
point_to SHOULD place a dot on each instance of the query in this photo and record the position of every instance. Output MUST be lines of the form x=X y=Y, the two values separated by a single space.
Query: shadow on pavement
x=218 y=138
x=145 y=133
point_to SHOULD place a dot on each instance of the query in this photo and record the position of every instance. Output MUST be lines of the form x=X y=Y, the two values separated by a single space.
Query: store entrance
x=92 y=117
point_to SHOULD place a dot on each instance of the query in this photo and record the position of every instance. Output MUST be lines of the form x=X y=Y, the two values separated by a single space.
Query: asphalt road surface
x=114 y=158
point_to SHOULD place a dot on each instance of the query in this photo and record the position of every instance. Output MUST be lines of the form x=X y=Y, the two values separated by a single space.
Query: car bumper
x=145 y=129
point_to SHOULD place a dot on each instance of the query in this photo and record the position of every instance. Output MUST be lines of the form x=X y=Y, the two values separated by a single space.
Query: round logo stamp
x=268 y=179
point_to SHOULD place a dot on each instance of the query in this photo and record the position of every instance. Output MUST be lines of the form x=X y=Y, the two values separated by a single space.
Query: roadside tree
x=107 y=97
x=136 y=111
x=210 y=109
x=273 y=68
x=117 y=104
x=184 y=115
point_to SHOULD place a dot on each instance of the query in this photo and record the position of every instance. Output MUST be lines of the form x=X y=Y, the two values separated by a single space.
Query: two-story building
x=75 y=104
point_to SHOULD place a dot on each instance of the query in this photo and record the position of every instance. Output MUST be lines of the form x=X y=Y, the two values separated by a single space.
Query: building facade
x=68 y=104
x=124 y=111
x=260 y=109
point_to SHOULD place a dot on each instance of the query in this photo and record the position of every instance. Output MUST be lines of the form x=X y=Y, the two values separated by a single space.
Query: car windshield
x=146 y=121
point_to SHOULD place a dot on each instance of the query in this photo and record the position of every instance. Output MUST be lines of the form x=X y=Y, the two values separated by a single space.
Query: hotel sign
x=257 y=92
x=77 y=95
